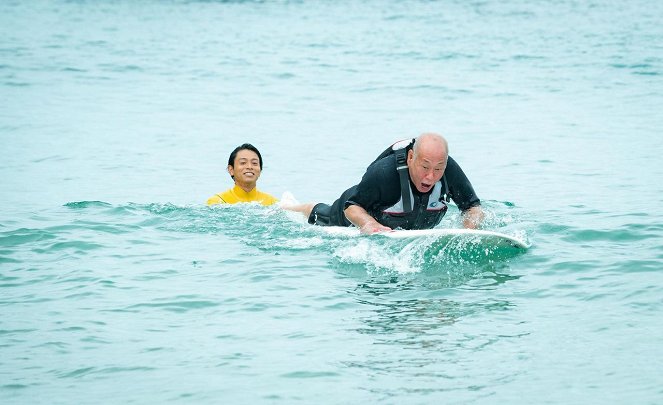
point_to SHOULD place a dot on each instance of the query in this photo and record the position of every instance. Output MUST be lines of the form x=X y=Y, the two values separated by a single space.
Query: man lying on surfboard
x=407 y=186
x=244 y=167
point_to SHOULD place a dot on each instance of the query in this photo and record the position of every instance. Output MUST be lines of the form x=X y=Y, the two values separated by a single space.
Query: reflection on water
x=414 y=304
x=428 y=342
x=430 y=277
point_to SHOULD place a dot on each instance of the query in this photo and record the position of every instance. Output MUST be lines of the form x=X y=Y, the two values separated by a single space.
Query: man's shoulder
x=216 y=199
x=381 y=181
x=228 y=194
x=453 y=168
x=383 y=167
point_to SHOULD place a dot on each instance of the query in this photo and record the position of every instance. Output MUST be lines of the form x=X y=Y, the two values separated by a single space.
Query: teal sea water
x=117 y=284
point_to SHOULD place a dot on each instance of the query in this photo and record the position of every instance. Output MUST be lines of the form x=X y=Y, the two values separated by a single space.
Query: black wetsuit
x=379 y=193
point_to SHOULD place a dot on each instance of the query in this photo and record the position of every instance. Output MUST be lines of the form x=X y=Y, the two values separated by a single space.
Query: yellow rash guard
x=237 y=195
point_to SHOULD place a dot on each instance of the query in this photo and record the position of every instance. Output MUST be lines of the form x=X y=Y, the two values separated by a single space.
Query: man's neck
x=248 y=187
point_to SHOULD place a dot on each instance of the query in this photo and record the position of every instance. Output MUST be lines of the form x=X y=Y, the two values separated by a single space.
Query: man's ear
x=231 y=171
x=410 y=156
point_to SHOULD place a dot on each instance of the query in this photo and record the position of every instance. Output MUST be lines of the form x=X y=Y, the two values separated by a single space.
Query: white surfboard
x=483 y=237
x=475 y=236
x=441 y=236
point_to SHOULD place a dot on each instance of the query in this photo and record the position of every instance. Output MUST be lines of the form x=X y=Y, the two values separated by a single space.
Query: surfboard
x=473 y=243
x=478 y=236
x=440 y=245
x=475 y=236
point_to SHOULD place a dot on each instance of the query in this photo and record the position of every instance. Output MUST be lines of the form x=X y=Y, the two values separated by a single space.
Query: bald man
x=408 y=186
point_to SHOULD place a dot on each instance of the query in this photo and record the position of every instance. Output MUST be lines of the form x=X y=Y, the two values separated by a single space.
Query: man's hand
x=472 y=217
x=373 y=227
x=362 y=220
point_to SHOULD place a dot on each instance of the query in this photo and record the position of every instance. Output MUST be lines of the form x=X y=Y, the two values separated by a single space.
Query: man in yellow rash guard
x=244 y=166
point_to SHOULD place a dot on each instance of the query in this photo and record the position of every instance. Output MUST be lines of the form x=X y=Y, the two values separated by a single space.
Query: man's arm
x=472 y=217
x=463 y=195
x=362 y=220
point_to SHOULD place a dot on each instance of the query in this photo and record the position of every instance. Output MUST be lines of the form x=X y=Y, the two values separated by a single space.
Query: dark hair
x=245 y=146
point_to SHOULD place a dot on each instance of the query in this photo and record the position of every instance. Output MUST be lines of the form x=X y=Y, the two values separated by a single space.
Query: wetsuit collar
x=243 y=195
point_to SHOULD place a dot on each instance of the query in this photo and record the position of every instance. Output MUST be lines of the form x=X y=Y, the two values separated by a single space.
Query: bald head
x=433 y=145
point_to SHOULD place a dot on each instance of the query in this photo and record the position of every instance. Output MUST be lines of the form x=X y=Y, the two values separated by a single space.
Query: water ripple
x=177 y=305
x=24 y=236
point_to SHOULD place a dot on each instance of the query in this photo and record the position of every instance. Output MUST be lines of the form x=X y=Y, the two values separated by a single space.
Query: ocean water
x=118 y=285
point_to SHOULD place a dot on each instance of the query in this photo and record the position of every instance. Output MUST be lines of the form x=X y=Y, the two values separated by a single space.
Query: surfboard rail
x=480 y=236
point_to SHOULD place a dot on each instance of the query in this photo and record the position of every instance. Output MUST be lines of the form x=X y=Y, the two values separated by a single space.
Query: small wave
x=161 y=208
x=23 y=236
x=12 y=332
x=85 y=371
x=310 y=374
x=87 y=204
x=4 y=259
x=10 y=387
x=16 y=84
x=77 y=246
x=177 y=305
x=121 y=68
x=624 y=234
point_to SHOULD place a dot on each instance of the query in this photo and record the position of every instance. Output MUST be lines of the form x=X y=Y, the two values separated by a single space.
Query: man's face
x=426 y=168
x=246 y=168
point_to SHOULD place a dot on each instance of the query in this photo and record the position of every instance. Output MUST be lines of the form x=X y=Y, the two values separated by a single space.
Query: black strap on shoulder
x=400 y=149
x=404 y=144
x=401 y=167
